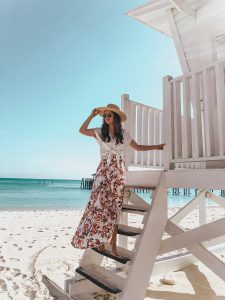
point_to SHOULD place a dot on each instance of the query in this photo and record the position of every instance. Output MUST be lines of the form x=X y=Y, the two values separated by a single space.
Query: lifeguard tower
x=192 y=123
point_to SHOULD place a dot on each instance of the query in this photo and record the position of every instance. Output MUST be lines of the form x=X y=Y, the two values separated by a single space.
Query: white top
x=107 y=149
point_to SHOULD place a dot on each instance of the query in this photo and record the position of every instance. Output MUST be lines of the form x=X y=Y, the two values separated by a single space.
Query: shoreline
x=36 y=242
x=81 y=209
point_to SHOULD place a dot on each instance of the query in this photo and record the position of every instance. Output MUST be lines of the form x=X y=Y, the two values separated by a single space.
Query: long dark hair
x=118 y=130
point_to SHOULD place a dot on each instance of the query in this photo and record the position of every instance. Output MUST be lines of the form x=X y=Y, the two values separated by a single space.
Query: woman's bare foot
x=101 y=247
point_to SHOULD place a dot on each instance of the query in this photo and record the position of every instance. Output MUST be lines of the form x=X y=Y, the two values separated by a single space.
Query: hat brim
x=119 y=112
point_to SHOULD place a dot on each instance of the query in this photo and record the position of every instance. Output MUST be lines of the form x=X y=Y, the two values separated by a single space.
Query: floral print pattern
x=104 y=206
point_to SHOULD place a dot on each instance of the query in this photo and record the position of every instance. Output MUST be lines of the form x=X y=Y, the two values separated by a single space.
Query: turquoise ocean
x=33 y=194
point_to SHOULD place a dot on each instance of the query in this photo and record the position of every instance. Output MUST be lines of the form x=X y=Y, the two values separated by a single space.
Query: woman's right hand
x=95 y=112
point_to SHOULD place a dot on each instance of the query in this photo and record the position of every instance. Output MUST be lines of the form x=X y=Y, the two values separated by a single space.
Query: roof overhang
x=155 y=13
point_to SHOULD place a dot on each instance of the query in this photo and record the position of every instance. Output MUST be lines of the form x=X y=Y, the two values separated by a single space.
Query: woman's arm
x=83 y=129
x=138 y=147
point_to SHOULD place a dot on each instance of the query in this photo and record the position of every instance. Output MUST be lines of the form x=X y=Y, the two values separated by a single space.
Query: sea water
x=26 y=194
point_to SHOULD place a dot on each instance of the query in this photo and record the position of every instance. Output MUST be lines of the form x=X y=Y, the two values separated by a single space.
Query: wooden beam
x=200 y=252
x=55 y=290
x=177 y=41
x=154 y=228
x=199 y=178
x=184 y=8
x=215 y=198
x=197 y=235
x=188 y=207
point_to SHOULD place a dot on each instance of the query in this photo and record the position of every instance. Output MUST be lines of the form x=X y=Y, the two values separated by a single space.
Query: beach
x=36 y=242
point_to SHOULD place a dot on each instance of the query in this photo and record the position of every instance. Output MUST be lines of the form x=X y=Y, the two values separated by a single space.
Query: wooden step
x=139 y=187
x=123 y=257
x=55 y=290
x=76 y=287
x=103 y=278
x=128 y=230
x=130 y=208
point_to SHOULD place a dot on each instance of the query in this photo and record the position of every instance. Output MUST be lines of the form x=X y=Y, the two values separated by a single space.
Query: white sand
x=37 y=242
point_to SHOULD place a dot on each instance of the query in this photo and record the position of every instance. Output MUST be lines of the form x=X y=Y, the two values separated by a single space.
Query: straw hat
x=114 y=108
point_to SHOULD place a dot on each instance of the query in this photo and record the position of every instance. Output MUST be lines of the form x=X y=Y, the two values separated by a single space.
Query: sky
x=58 y=61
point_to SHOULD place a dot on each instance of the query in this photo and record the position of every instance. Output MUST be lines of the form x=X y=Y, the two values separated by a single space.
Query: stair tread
x=103 y=278
x=140 y=187
x=123 y=257
x=128 y=230
x=132 y=207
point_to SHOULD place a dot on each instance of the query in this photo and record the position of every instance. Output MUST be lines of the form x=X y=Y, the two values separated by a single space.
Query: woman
x=99 y=222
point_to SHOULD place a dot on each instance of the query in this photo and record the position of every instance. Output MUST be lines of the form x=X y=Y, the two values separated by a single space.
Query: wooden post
x=141 y=267
x=126 y=108
x=167 y=121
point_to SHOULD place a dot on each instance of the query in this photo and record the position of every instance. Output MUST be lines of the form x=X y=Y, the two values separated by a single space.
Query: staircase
x=129 y=279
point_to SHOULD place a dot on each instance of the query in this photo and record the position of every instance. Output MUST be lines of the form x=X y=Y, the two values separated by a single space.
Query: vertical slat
x=157 y=137
x=202 y=212
x=133 y=131
x=208 y=113
x=220 y=93
x=151 y=137
x=139 y=133
x=177 y=120
x=126 y=107
x=167 y=121
x=145 y=134
x=161 y=139
x=197 y=149
x=186 y=144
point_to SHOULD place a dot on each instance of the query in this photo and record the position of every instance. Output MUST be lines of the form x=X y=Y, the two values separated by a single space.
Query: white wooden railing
x=194 y=118
x=145 y=125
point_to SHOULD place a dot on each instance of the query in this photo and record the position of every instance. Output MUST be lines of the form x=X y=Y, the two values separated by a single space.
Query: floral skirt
x=104 y=206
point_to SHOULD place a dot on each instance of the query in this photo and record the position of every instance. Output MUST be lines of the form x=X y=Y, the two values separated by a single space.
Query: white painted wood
x=184 y=8
x=217 y=199
x=197 y=148
x=177 y=40
x=208 y=117
x=151 y=136
x=136 y=200
x=143 y=178
x=187 y=138
x=129 y=228
x=156 y=137
x=161 y=158
x=200 y=159
x=177 y=120
x=74 y=288
x=202 y=212
x=126 y=108
x=89 y=257
x=145 y=134
x=168 y=132
x=173 y=263
x=154 y=227
x=197 y=235
x=54 y=289
x=105 y=276
x=200 y=252
x=199 y=179
x=210 y=18
x=133 y=131
x=184 y=211
x=139 y=133
x=220 y=90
